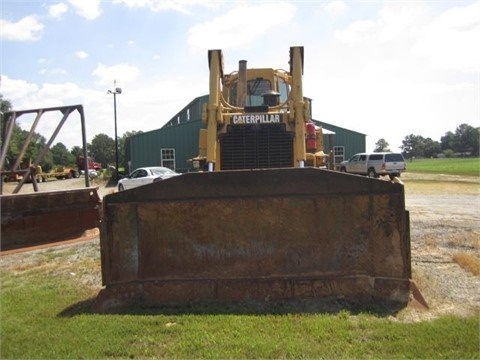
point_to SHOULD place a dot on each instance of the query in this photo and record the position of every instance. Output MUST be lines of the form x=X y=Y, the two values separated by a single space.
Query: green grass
x=457 y=166
x=45 y=315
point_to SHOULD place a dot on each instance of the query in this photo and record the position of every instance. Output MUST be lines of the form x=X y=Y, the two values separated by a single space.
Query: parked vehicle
x=91 y=164
x=59 y=172
x=375 y=164
x=145 y=175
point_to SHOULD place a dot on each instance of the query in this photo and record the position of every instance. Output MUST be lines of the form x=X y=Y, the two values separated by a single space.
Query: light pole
x=115 y=91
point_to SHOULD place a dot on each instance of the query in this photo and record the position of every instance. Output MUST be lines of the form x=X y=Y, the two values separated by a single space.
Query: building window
x=338 y=154
x=167 y=157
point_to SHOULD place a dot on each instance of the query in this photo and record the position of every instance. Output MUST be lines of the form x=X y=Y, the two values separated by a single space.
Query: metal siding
x=180 y=133
x=146 y=147
x=353 y=142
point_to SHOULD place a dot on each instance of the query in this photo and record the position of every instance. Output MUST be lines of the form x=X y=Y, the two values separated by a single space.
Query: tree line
x=101 y=148
x=463 y=142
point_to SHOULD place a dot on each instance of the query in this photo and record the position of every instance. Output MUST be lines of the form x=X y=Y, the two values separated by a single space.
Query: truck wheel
x=343 y=169
x=120 y=187
x=371 y=173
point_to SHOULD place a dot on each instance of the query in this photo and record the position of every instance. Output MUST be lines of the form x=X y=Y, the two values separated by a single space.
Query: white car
x=145 y=175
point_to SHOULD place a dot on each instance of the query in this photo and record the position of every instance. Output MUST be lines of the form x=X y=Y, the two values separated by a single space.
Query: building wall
x=145 y=148
x=352 y=141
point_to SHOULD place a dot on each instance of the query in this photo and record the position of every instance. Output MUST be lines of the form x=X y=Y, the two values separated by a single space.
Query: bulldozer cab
x=265 y=87
x=256 y=118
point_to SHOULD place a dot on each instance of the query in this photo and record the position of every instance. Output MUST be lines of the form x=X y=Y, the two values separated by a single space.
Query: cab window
x=255 y=89
x=283 y=90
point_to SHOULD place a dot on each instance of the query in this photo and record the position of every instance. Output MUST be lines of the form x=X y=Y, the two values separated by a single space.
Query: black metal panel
x=259 y=146
x=256 y=109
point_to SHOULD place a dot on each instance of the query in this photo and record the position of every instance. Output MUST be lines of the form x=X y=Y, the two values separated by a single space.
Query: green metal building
x=177 y=141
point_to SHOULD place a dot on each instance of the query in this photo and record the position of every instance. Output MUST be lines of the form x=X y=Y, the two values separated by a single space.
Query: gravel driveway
x=444 y=217
x=444 y=220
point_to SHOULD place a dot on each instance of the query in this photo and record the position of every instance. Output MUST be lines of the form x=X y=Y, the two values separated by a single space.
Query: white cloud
x=336 y=8
x=17 y=89
x=410 y=70
x=450 y=41
x=26 y=29
x=81 y=54
x=395 y=21
x=25 y=96
x=164 y=94
x=227 y=31
x=89 y=9
x=383 y=75
x=54 y=71
x=57 y=10
x=123 y=73
x=181 y=6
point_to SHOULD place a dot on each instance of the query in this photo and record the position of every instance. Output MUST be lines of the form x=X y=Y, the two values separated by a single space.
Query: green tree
x=448 y=141
x=124 y=148
x=76 y=150
x=102 y=149
x=468 y=139
x=464 y=140
x=381 y=145
x=412 y=146
x=5 y=105
x=17 y=140
x=61 y=155
x=431 y=148
x=418 y=146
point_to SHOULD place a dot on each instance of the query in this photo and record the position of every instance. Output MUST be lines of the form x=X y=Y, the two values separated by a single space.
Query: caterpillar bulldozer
x=263 y=219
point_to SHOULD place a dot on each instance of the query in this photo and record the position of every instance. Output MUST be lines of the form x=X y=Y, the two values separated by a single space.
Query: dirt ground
x=444 y=221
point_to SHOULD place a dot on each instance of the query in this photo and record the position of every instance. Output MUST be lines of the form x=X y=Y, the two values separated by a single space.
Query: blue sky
x=385 y=69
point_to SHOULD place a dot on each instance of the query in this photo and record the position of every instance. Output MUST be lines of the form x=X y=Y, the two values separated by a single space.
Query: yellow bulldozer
x=263 y=219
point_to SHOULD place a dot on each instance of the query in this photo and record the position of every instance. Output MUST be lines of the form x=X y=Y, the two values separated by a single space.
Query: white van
x=375 y=164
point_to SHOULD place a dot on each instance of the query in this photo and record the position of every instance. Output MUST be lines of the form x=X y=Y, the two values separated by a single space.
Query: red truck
x=92 y=164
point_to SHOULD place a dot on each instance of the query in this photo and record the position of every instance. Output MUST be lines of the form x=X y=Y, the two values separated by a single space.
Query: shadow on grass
x=310 y=306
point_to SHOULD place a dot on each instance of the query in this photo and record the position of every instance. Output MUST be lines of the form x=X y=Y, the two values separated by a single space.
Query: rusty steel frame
x=44 y=217
x=8 y=125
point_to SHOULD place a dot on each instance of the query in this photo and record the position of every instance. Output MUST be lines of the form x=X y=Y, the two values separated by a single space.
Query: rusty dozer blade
x=46 y=217
x=256 y=235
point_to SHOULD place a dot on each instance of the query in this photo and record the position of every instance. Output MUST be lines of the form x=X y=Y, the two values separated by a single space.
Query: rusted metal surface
x=45 y=217
x=256 y=235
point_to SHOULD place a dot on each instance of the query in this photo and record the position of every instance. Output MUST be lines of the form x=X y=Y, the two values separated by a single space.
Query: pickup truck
x=375 y=164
